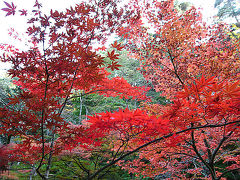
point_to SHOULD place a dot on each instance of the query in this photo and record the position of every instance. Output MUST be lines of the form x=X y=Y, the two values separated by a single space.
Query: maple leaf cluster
x=119 y=87
x=128 y=124
x=181 y=48
x=205 y=102
x=11 y=9
x=60 y=59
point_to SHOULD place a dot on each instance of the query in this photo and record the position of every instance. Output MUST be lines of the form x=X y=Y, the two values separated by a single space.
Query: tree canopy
x=190 y=131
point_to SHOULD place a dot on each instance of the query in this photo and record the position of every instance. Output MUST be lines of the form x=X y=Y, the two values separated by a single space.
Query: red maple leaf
x=10 y=10
x=23 y=12
x=117 y=46
x=114 y=66
x=112 y=55
x=37 y=4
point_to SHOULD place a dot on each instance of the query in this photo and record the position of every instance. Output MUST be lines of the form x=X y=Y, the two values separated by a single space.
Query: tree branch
x=159 y=139
x=213 y=174
x=175 y=68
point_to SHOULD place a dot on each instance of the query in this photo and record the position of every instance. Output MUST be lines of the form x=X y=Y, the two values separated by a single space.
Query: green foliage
x=235 y=31
x=89 y=104
x=7 y=90
x=75 y=167
x=230 y=175
x=182 y=6
x=129 y=70
x=157 y=98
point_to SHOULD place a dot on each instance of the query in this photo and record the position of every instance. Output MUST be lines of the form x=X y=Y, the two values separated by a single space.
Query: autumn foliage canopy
x=195 y=66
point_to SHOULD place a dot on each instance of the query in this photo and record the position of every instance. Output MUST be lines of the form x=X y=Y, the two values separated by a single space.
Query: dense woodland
x=161 y=101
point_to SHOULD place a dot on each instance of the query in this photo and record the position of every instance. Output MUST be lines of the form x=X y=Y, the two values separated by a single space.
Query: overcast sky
x=20 y=24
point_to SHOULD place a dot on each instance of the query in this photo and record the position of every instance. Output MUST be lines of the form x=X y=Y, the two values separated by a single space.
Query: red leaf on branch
x=232 y=90
x=114 y=66
x=23 y=12
x=117 y=46
x=112 y=55
x=10 y=10
x=37 y=4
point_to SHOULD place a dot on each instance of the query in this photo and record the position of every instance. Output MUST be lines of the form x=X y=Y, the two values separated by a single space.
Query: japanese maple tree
x=179 y=50
x=178 y=47
x=60 y=59
x=195 y=137
x=199 y=153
